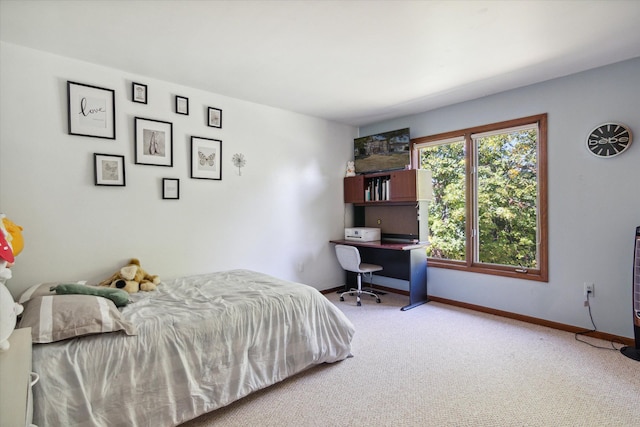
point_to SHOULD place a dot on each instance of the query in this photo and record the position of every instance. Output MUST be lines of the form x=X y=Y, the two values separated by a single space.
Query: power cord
x=588 y=305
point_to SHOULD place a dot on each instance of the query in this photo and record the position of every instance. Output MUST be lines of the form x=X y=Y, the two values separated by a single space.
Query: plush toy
x=9 y=309
x=132 y=278
x=351 y=168
x=13 y=234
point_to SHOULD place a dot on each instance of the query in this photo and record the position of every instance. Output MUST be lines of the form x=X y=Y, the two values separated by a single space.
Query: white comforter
x=202 y=342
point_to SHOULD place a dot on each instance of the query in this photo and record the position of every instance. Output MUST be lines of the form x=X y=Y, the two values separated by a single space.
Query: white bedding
x=202 y=342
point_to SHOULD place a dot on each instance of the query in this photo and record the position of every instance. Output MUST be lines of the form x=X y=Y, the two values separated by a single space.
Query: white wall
x=277 y=217
x=594 y=204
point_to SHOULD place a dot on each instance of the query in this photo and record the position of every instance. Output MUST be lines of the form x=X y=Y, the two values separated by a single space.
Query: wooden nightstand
x=15 y=371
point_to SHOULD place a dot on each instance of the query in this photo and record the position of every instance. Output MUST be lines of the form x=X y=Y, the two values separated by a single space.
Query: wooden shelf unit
x=404 y=186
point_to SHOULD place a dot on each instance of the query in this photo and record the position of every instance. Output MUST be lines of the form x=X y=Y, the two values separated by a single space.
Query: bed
x=200 y=343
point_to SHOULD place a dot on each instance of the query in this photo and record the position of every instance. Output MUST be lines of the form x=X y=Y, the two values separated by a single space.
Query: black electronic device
x=633 y=352
x=383 y=151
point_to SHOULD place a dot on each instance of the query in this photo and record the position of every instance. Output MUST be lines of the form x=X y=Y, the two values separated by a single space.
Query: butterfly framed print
x=205 y=158
x=109 y=169
x=154 y=142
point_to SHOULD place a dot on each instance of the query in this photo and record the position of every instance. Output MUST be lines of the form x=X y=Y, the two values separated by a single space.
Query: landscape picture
x=383 y=151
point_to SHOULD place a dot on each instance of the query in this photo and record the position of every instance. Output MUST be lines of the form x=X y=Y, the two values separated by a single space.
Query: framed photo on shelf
x=91 y=110
x=206 y=157
x=170 y=188
x=214 y=117
x=153 y=142
x=139 y=93
x=182 y=105
x=109 y=169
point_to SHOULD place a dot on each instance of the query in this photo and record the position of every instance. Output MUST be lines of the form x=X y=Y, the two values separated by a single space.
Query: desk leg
x=418 y=279
x=350 y=282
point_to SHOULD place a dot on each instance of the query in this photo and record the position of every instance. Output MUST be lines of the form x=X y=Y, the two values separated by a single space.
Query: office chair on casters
x=349 y=259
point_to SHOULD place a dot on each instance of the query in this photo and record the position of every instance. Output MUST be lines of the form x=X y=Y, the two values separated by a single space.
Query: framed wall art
x=154 y=142
x=205 y=158
x=92 y=110
x=109 y=169
x=182 y=105
x=139 y=93
x=170 y=188
x=214 y=117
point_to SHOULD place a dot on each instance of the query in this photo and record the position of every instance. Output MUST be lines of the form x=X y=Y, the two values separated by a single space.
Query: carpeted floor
x=438 y=365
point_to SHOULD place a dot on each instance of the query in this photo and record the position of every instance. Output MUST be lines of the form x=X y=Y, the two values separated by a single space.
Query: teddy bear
x=132 y=278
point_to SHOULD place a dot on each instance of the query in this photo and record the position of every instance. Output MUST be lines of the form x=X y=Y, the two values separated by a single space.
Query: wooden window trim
x=540 y=274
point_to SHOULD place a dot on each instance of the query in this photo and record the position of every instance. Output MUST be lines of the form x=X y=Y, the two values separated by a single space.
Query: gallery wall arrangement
x=92 y=113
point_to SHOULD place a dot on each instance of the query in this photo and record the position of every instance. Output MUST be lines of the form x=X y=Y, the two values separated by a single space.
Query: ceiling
x=354 y=62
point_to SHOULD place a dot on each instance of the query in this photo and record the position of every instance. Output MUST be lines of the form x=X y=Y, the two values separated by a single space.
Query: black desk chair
x=349 y=259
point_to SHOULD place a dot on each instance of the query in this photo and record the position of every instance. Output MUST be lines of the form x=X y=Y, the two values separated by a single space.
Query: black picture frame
x=214 y=117
x=153 y=142
x=108 y=170
x=139 y=92
x=91 y=110
x=170 y=188
x=182 y=105
x=206 y=158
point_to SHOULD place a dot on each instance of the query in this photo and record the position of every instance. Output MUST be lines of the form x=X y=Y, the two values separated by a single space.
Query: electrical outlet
x=589 y=289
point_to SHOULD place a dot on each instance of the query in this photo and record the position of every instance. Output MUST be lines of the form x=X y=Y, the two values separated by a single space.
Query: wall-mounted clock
x=609 y=139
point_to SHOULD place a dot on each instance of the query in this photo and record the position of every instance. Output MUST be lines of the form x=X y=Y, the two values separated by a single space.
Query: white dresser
x=16 y=404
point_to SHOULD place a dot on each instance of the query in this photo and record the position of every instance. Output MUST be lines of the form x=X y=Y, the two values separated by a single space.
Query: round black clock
x=609 y=139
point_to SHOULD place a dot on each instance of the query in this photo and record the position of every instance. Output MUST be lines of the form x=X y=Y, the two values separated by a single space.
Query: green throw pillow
x=119 y=297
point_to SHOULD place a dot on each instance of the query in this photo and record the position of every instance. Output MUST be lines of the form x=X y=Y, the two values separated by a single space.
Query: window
x=489 y=209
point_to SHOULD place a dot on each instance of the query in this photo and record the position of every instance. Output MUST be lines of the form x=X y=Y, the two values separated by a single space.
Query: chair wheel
x=359 y=303
x=378 y=300
x=341 y=298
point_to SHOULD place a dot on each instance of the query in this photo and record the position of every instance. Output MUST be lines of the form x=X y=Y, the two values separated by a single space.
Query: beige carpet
x=438 y=365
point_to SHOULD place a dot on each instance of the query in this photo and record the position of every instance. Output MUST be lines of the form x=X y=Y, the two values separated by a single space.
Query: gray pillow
x=59 y=317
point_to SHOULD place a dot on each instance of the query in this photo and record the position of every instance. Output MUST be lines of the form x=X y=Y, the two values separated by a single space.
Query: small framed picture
x=205 y=158
x=182 y=105
x=139 y=93
x=170 y=188
x=214 y=117
x=109 y=169
x=154 y=142
x=92 y=111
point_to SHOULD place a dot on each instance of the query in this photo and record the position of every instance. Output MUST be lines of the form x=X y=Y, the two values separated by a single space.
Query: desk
x=404 y=261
